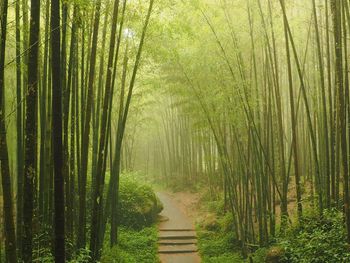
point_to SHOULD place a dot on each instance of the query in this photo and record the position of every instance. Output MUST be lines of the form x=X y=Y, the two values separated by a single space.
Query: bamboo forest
x=175 y=131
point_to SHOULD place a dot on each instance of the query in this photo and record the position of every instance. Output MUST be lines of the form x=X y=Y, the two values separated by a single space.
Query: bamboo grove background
x=60 y=64
x=247 y=98
x=256 y=105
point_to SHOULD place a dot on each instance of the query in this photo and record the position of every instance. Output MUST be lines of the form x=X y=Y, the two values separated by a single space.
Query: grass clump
x=317 y=239
x=218 y=244
x=133 y=247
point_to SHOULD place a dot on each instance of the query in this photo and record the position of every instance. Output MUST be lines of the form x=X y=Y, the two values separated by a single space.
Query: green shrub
x=138 y=204
x=44 y=255
x=317 y=240
x=81 y=256
x=133 y=247
x=210 y=223
x=220 y=244
x=259 y=255
x=226 y=223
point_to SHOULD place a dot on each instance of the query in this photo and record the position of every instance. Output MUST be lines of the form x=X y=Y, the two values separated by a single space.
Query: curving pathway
x=177 y=235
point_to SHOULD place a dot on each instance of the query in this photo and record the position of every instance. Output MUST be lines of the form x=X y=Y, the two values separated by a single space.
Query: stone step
x=177 y=249
x=177 y=242
x=176 y=229
x=162 y=218
x=177 y=235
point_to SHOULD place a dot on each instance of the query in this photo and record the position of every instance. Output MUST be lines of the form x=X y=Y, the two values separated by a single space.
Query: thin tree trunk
x=9 y=229
x=86 y=132
x=19 y=127
x=30 y=168
x=59 y=217
x=337 y=19
x=294 y=126
x=102 y=154
x=121 y=127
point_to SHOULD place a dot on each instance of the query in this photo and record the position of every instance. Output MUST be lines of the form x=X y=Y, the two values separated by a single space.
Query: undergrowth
x=137 y=234
x=216 y=241
x=139 y=205
x=134 y=247
x=315 y=239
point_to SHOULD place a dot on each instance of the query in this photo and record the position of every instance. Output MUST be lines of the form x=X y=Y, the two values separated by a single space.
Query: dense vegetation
x=63 y=124
x=256 y=108
x=138 y=206
x=133 y=247
x=246 y=100
x=313 y=239
x=138 y=234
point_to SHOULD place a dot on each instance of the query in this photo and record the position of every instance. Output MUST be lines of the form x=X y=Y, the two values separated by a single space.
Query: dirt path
x=177 y=235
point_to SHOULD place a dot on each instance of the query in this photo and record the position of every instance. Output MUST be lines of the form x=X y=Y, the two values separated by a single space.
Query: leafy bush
x=81 y=256
x=219 y=244
x=138 y=205
x=134 y=247
x=42 y=246
x=45 y=256
x=217 y=248
x=213 y=244
x=259 y=255
x=317 y=240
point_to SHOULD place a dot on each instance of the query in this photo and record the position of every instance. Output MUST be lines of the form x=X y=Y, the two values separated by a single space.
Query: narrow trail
x=177 y=235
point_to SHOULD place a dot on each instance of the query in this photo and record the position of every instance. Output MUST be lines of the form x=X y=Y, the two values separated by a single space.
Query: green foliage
x=134 y=247
x=214 y=244
x=225 y=258
x=314 y=240
x=81 y=256
x=42 y=246
x=317 y=239
x=139 y=207
x=219 y=244
x=138 y=204
x=259 y=255
x=44 y=255
x=219 y=207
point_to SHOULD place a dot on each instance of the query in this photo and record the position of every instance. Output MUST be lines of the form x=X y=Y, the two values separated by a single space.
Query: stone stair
x=177 y=241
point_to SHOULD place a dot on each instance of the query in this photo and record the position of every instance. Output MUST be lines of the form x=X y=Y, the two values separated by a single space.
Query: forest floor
x=177 y=235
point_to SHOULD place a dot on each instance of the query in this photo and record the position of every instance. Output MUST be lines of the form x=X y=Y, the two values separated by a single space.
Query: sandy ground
x=188 y=203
